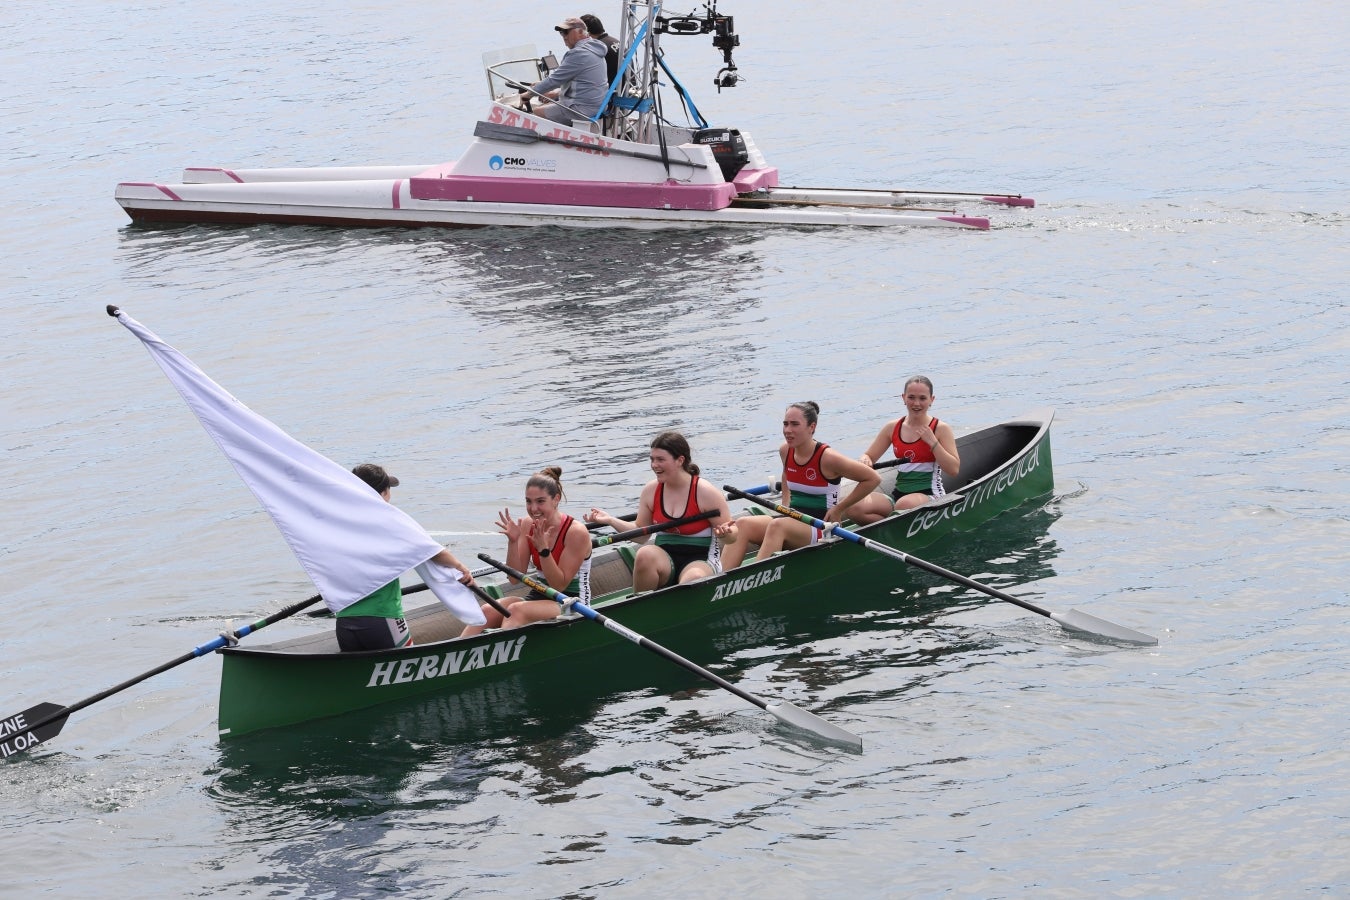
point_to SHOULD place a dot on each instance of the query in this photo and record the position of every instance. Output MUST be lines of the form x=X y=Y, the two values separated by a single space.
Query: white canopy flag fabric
x=348 y=539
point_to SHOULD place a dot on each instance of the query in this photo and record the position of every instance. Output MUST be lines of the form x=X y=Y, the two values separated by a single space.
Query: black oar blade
x=18 y=735
x=1085 y=623
x=814 y=725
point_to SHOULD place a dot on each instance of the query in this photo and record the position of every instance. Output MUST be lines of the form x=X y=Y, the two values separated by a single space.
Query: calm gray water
x=1178 y=297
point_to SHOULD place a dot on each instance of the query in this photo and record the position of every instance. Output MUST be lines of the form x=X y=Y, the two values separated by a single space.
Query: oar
x=39 y=724
x=651 y=529
x=488 y=599
x=1073 y=620
x=516 y=135
x=783 y=711
x=25 y=730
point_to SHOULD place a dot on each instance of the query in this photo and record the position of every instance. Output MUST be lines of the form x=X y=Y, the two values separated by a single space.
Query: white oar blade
x=813 y=724
x=1075 y=620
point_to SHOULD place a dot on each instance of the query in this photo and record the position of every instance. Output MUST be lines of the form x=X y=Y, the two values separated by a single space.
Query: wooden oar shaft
x=652 y=528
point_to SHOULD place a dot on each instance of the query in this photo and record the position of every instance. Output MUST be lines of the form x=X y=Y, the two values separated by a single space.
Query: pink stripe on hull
x=150 y=184
x=397 y=184
x=554 y=192
x=228 y=172
x=968 y=221
x=1010 y=201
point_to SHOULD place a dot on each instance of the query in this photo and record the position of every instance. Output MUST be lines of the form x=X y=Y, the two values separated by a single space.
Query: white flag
x=348 y=539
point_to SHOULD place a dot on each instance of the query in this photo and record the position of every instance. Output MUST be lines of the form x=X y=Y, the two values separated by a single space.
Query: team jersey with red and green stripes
x=918 y=472
x=811 y=492
x=580 y=586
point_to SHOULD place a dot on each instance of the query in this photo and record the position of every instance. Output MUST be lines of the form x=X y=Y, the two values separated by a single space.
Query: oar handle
x=274 y=617
x=652 y=528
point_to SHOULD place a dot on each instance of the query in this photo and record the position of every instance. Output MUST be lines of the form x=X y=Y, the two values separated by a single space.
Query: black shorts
x=896 y=495
x=681 y=555
x=371 y=633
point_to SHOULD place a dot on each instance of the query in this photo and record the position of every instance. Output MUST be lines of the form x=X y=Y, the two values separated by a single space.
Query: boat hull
x=557 y=176
x=267 y=687
x=379 y=203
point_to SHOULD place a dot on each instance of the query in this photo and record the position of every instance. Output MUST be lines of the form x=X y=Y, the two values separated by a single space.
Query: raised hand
x=509 y=526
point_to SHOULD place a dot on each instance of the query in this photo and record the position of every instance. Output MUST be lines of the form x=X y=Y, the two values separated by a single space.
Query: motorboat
x=627 y=166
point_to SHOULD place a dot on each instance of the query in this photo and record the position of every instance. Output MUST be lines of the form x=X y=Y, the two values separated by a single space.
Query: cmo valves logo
x=496 y=163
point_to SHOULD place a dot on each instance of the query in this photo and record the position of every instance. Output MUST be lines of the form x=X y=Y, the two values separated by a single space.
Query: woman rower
x=811 y=474
x=687 y=551
x=926 y=447
x=558 y=546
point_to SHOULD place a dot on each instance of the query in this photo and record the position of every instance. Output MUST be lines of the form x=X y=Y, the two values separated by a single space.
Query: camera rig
x=723 y=30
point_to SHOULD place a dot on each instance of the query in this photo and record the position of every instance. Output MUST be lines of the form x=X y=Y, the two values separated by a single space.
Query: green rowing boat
x=306 y=678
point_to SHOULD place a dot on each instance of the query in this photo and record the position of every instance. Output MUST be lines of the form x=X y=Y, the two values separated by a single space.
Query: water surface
x=1177 y=296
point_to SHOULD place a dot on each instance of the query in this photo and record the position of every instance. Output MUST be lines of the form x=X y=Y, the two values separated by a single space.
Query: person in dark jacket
x=596 y=29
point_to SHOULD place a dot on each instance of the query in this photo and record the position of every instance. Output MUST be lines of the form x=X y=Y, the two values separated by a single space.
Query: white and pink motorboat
x=629 y=167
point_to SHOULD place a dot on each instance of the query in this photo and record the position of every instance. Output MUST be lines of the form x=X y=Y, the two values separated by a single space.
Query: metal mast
x=637 y=102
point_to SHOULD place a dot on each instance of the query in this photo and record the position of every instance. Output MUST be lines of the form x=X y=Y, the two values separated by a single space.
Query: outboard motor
x=728 y=149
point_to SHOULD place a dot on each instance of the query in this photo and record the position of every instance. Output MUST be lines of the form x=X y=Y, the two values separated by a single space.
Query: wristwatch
x=545 y=553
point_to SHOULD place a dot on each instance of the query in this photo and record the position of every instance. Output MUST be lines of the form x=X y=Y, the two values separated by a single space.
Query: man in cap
x=376 y=622
x=578 y=84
